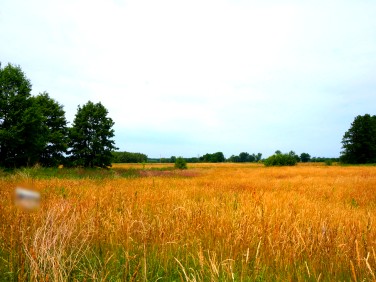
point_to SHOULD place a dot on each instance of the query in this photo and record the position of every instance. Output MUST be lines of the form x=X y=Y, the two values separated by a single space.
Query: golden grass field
x=212 y=222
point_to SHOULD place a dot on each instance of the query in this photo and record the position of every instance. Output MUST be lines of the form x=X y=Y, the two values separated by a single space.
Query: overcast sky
x=191 y=77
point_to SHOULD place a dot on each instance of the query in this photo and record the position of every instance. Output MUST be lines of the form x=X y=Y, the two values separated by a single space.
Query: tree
x=180 y=163
x=218 y=157
x=34 y=133
x=213 y=158
x=359 y=142
x=293 y=154
x=258 y=157
x=91 y=133
x=305 y=157
x=244 y=157
x=281 y=160
x=234 y=159
x=21 y=125
x=56 y=131
x=127 y=157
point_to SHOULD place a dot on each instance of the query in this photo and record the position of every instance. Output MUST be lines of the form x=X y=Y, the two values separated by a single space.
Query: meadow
x=212 y=222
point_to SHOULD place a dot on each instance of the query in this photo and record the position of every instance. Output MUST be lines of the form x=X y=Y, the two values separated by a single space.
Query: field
x=212 y=222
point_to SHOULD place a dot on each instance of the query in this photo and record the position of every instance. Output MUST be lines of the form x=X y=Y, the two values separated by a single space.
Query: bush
x=281 y=160
x=329 y=162
x=180 y=163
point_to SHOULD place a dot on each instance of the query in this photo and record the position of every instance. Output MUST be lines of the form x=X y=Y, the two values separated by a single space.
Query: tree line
x=243 y=157
x=34 y=129
x=128 y=157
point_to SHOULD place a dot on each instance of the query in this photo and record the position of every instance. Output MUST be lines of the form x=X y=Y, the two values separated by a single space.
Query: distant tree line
x=322 y=159
x=245 y=157
x=358 y=144
x=217 y=157
x=34 y=130
x=127 y=157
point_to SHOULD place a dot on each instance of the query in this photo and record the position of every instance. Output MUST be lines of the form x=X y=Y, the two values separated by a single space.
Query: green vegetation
x=328 y=162
x=180 y=163
x=90 y=137
x=245 y=157
x=359 y=142
x=33 y=129
x=213 y=158
x=127 y=157
x=305 y=157
x=55 y=131
x=279 y=159
x=21 y=123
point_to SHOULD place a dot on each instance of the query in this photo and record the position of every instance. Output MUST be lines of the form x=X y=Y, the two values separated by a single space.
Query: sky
x=187 y=78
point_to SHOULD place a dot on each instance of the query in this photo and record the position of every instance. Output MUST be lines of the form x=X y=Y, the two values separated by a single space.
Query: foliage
x=328 y=162
x=359 y=142
x=128 y=157
x=91 y=136
x=305 y=157
x=32 y=129
x=281 y=160
x=294 y=155
x=245 y=157
x=180 y=163
x=21 y=122
x=172 y=160
x=323 y=160
x=56 y=131
x=213 y=158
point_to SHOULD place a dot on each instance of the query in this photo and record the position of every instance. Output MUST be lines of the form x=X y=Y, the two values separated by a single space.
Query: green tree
x=305 y=157
x=258 y=157
x=21 y=122
x=34 y=133
x=281 y=160
x=234 y=159
x=180 y=163
x=91 y=136
x=213 y=158
x=56 y=131
x=359 y=142
x=244 y=157
x=293 y=154
x=128 y=157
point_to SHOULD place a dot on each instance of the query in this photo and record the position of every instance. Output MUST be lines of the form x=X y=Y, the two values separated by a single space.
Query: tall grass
x=225 y=222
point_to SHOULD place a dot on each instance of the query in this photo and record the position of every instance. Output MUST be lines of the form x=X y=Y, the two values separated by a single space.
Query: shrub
x=281 y=160
x=180 y=163
x=329 y=162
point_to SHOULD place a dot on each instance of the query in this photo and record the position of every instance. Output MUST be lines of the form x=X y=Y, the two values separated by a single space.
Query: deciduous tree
x=91 y=136
x=359 y=142
x=21 y=126
x=56 y=131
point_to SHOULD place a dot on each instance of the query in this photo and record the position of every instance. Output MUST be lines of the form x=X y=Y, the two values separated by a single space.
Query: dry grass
x=217 y=222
